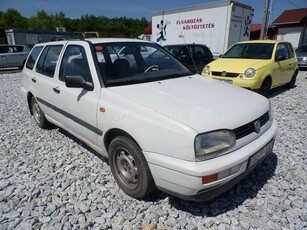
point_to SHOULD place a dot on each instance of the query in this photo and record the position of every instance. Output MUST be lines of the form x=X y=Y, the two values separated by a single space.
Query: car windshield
x=136 y=62
x=250 y=51
x=302 y=48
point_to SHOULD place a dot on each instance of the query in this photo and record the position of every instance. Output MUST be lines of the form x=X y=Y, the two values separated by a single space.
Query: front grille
x=249 y=128
x=224 y=74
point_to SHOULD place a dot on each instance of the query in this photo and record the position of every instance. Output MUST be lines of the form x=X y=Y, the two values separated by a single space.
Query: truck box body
x=217 y=25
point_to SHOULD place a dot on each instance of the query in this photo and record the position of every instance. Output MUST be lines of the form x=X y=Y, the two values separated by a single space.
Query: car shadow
x=82 y=144
x=247 y=189
x=279 y=90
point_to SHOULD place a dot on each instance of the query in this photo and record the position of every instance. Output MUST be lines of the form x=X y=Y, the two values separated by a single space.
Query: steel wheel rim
x=36 y=112
x=126 y=168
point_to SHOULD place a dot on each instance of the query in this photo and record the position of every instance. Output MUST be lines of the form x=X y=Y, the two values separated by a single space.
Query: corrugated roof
x=291 y=17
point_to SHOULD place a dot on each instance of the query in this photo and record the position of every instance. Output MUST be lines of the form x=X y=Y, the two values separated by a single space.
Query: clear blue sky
x=133 y=8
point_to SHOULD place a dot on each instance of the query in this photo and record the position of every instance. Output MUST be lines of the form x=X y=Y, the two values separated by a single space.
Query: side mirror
x=78 y=81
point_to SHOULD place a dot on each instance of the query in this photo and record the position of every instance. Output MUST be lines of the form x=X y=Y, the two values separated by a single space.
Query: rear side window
x=290 y=50
x=47 y=62
x=33 y=56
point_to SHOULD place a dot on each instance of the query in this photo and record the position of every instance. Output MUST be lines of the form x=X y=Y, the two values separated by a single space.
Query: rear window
x=33 y=56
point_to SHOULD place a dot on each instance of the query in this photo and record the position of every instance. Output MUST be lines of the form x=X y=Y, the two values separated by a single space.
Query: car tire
x=38 y=115
x=265 y=87
x=291 y=84
x=129 y=168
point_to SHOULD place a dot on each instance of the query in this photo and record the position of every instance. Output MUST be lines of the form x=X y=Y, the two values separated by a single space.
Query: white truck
x=218 y=25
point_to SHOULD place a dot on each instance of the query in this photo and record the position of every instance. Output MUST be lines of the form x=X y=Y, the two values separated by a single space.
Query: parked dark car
x=193 y=56
x=13 y=55
x=301 y=53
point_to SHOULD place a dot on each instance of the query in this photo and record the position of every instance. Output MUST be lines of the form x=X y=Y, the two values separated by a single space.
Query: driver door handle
x=56 y=89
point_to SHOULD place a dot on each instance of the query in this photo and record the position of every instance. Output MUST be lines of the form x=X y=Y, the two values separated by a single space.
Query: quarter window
x=33 y=56
x=48 y=60
x=290 y=50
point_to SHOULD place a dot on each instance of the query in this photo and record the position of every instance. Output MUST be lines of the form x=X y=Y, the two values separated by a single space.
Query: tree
x=12 y=19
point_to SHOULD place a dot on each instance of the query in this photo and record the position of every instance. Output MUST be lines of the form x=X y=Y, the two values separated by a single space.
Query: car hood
x=201 y=103
x=237 y=65
x=301 y=54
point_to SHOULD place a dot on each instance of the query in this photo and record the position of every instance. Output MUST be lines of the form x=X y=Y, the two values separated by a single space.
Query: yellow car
x=256 y=65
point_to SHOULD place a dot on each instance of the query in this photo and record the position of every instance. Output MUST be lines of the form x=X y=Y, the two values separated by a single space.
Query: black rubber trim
x=72 y=117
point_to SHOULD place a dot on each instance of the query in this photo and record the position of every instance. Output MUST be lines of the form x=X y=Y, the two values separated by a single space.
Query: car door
x=76 y=107
x=281 y=65
x=43 y=78
x=292 y=62
x=3 y=56
x=13 y=57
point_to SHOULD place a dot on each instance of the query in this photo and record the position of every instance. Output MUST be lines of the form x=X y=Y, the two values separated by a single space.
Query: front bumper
x=253 y=83
x=184 y=178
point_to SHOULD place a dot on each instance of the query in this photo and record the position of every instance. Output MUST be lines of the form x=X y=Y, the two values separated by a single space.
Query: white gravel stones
x=50 y=180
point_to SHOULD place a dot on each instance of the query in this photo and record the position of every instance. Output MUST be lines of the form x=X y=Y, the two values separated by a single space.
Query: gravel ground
x=49 y=180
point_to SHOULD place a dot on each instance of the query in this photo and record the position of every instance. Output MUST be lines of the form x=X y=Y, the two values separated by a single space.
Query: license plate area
x=224 y=80
x=258 y=156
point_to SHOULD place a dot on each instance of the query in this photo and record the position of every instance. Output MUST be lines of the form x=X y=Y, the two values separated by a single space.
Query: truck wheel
x=265 y=87
x=129 y=168
x=38 y=115
x=291 y=84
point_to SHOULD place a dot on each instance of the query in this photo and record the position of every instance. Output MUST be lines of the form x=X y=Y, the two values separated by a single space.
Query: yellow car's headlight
x=249 y=73
x=206 y=69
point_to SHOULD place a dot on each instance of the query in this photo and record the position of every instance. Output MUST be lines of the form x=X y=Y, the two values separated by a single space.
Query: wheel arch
x=115 y=132
x=29 y=97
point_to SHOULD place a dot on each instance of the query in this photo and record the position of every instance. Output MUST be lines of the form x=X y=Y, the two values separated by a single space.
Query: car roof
x=96 y=41
x=261 y=41
x=187 y=44
x=108 y=40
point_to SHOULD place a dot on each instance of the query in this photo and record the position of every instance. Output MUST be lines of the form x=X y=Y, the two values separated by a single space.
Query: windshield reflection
x=136 y=62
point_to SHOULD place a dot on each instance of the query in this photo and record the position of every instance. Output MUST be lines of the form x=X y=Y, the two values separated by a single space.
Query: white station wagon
x=160 y=126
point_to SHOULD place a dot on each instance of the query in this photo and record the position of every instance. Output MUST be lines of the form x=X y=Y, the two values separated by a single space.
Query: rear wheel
x=38 y=115
x=291 y=84
x=265 y=87
x=129 y=168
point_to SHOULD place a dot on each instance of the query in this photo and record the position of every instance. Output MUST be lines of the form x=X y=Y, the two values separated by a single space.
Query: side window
x=290 y=50
x=198 y=51
x=47 y=62
x=75 y=63
x=33 y=56
x=184 y=51
x=282 y=51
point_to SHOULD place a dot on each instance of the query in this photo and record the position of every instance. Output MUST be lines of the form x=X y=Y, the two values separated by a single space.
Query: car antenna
x=190 y=53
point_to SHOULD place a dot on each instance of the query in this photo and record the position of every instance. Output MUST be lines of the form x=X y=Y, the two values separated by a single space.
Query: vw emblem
x=223 y=74
x=257 y=125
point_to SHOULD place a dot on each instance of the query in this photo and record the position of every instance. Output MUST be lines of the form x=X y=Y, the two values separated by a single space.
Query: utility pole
x=264 y=25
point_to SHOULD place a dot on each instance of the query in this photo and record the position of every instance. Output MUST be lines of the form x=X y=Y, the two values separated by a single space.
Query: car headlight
x=206 y=69
x=212 y=144
x=250 y=73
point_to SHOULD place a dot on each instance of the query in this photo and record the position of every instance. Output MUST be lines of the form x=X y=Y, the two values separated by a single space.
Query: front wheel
x=265 y=87
x=129 y=168
x=38 y=115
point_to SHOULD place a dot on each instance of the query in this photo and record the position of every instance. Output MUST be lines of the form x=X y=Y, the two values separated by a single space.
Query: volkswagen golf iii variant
x=159 y=125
